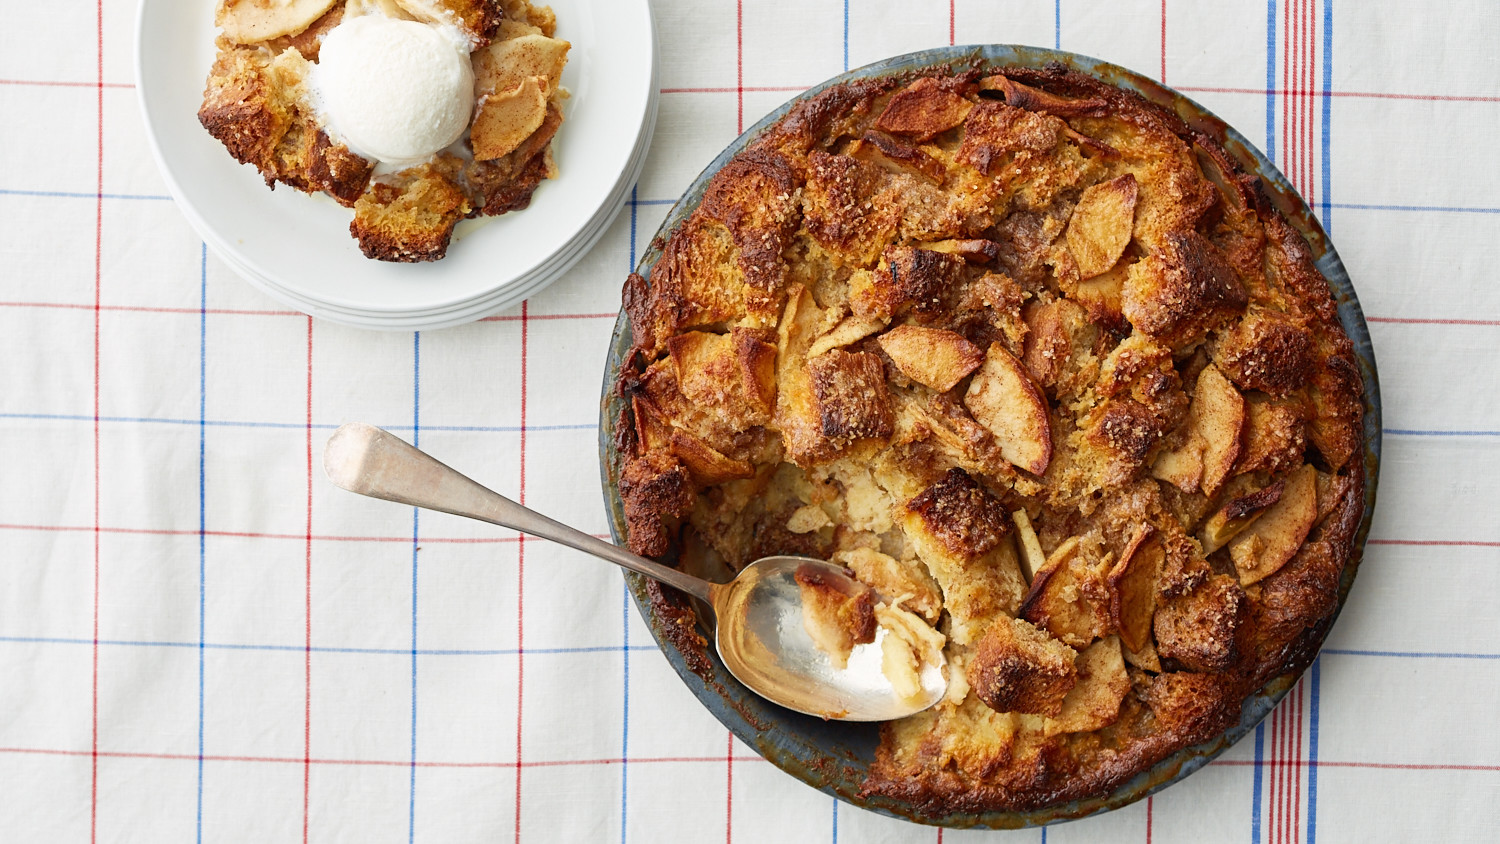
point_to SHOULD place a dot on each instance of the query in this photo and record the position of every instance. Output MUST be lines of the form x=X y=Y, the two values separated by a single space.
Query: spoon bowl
x=758 y=631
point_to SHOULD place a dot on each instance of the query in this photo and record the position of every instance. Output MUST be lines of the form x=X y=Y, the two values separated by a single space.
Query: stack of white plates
x=297 y=247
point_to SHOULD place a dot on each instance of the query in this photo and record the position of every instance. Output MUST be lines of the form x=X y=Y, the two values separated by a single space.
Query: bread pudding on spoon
x=414 y=113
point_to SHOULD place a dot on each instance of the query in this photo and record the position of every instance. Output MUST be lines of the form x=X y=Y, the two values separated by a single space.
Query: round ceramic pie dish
x=838 y=758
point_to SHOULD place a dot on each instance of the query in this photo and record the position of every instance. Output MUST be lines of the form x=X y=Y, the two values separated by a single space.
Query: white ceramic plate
x=297 y=247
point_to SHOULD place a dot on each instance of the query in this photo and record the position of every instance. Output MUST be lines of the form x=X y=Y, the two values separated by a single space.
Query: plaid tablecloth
x=201 y=639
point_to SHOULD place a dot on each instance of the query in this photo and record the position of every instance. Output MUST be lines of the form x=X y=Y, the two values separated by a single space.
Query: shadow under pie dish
x=1048 y=350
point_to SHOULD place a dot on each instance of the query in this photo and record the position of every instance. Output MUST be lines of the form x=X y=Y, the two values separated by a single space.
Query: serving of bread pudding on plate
x=416 y=114
x=1041 y=364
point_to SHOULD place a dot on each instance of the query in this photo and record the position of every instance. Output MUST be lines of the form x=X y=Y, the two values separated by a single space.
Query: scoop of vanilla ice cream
x=394 y=90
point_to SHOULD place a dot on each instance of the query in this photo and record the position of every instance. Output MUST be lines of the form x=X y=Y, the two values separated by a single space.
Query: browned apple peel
x=1237 y=514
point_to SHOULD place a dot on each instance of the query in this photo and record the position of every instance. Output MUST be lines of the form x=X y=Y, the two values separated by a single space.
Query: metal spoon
x=759 y=634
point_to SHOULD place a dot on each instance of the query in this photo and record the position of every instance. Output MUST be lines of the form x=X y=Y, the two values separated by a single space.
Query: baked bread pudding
x=1042 y=365
x=414 y=113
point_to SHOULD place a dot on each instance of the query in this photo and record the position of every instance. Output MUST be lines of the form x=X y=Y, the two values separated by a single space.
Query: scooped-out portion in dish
x=1041 y=364
x=414 y=113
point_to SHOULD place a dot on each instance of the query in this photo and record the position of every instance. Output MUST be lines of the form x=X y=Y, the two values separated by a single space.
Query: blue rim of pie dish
x=835 y=757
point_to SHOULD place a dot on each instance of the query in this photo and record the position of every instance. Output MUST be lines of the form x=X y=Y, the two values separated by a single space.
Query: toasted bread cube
x=1198 y=629
x=1017 y=667
x=961 y=532
x=850 y=397
x=734 y=374
x=1182 y=291
x=909 y=280
x=835 y=618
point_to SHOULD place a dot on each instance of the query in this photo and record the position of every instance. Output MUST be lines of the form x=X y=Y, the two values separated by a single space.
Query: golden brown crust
x=409 y=217
x=1155 y=304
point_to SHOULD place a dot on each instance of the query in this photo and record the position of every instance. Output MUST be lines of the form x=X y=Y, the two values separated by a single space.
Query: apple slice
x=1095 y=699
x=1213 y=425
x=1265 y=546
x=504 y=119
x=935 y=358
x=1102 y=222
x=1061 y=599
x=850 y=329
x=1003 y=399
x=1132 y=588
x=1236 y=515
x=1032 y=558
x=249 y=21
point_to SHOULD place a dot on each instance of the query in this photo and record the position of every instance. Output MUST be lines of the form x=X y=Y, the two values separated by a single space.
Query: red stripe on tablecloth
x=1163 y=81
x=521 y=571
x=739 y=65
x=754 y=89
x=1459 y=543
x=307 y=605
x=98 y=299
x=50 y=84
x=1375 y=95
x=1297 y=769
x=729 y=791
x=1420 y=321
x=952 y=39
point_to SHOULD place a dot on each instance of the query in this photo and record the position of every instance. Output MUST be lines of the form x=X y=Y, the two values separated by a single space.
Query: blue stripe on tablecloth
x=1255 y=794
x=133 y=643
x=62 y=194
x=202 y=507
x=225 y=423
x=1271 y=80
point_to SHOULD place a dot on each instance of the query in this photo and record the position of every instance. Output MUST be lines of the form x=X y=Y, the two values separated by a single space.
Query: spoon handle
x=367 y=460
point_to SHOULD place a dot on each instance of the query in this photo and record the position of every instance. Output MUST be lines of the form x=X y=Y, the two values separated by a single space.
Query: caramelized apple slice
x=1265 y=546
x=1228 y=521
x=505 y=64
x=1213 y=425
x=506 y=118
x=1032 y=558
x=249 y=21
x=1132 y=587
x=1003 y=399
x=935 y=358
x=1062 y=598
x=849 y=330
x=1100 y=227
x=1095 y=699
